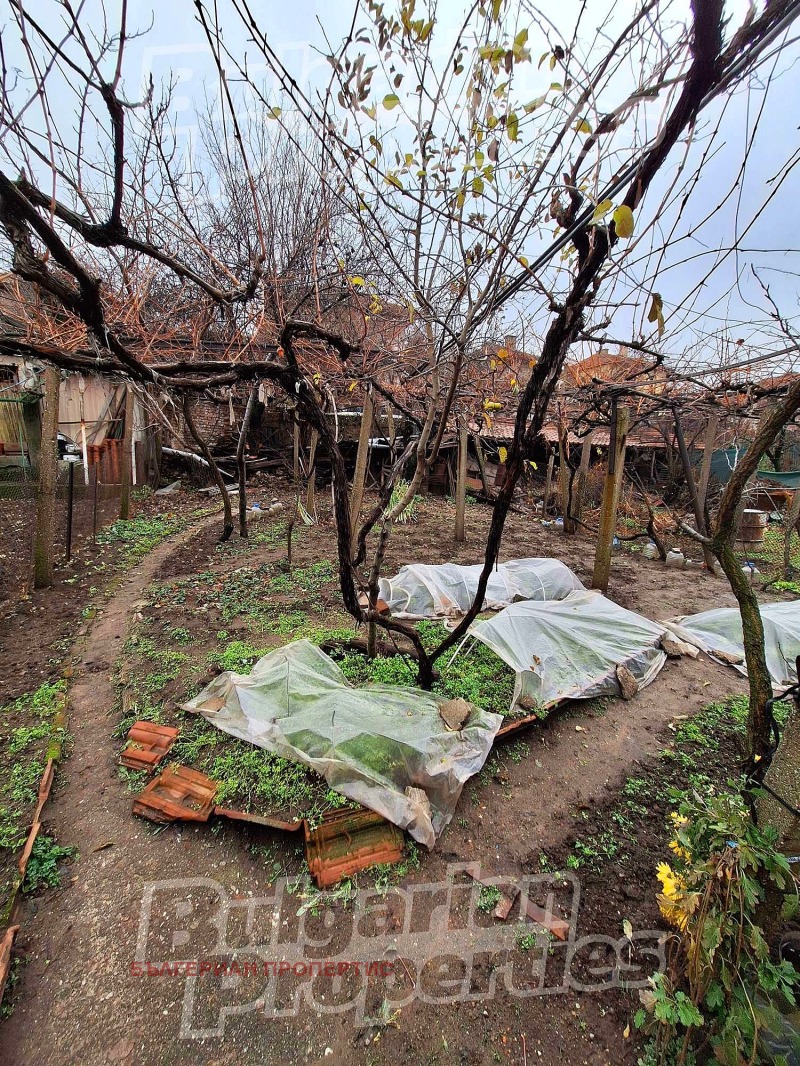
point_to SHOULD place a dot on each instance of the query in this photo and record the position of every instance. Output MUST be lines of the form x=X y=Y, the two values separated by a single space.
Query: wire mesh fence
x=84 y=503
x=776 y=558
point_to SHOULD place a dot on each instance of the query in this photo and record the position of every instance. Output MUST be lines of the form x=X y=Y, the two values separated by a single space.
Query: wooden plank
x=611 y=488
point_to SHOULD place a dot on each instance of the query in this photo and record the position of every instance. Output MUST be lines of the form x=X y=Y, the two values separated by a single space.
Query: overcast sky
x=175 y=48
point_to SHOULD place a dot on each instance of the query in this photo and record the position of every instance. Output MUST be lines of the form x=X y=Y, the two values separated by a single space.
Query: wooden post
x=31 y=420
x=476 y=442
x=461 y=485
x=548 y=483
x=691 y=484
x=48 y=473
x=705 y=470
x=579 y=485
x=126 y=466
x=295 y=447
x=311 y=505
x=360 y=474
x=241 y=463
x=564 y=477
x=608 y=511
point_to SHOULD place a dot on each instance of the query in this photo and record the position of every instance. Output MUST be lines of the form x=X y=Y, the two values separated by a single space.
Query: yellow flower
x=680 y=851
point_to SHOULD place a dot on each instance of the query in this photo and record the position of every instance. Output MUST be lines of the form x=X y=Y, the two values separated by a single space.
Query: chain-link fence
x=85 y=502
x=769 y=544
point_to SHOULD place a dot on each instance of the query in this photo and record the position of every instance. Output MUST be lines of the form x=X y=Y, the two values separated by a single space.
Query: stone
x=676 y=648
x=455 y=713
x=628 y=685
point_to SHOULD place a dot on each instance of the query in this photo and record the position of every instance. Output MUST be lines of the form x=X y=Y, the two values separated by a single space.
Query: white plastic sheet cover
x=570 y=648
x=721 y=630
x=368 y=743
x=446 y=591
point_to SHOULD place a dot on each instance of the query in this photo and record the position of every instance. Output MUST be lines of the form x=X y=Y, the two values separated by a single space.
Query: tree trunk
x=126 y=466
x=240 y=460
x=44 y=546
x=461 y=486
x=360 y=473
x=227 y=527
x=776 y=417
x=688 y=473
x=608 y=510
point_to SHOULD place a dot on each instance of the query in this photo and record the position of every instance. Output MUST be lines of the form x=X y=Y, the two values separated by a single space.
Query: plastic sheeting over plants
x=369 y=744
x=720 y=630
x=446 y=591
x=570 y=648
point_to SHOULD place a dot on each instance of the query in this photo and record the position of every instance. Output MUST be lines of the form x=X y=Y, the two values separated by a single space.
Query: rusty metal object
x=347 y=841
x=178 y=794
x=148 y=743
x=259 y=819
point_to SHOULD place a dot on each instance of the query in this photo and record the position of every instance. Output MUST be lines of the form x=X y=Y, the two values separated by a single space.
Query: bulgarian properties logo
x=437 y=943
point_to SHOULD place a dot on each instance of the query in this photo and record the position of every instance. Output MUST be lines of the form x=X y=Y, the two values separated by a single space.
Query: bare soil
x=78 y=1000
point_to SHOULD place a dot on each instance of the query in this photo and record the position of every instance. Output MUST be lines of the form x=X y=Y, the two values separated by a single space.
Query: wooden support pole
x=579 y=485
x=564 y=473
x=461 y=485
x=44 y=545
x=694 y=496
x=360 y=474
x=608 y=509
x=312 y=472
x=705 y=470
x=126 y=466
x=476 y=443
x=295 y=447
x=241 y=464
x=205 y=451
x=548 y=483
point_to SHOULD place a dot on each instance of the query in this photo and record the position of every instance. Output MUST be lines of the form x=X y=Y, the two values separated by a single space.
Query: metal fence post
x=94 y=502
x=70 y=503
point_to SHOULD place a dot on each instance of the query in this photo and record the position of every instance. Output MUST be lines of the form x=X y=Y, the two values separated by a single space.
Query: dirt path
x=80 y=1002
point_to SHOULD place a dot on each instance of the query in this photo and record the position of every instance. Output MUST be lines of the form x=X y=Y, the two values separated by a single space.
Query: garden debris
x=719 y=634
x=168 y=489
x=178 y=794
x=557 y=926
x=259 y=819
x=628 y=685
x=455 y=713
x=503 y=908
x=45 y=784
x=418 y=800
x=347 y=841
x=6 y=944
x=676 y=648
x=446 y=591
x=381 y=606
x=571 y=648
x=148 y=743
x=368 y=743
